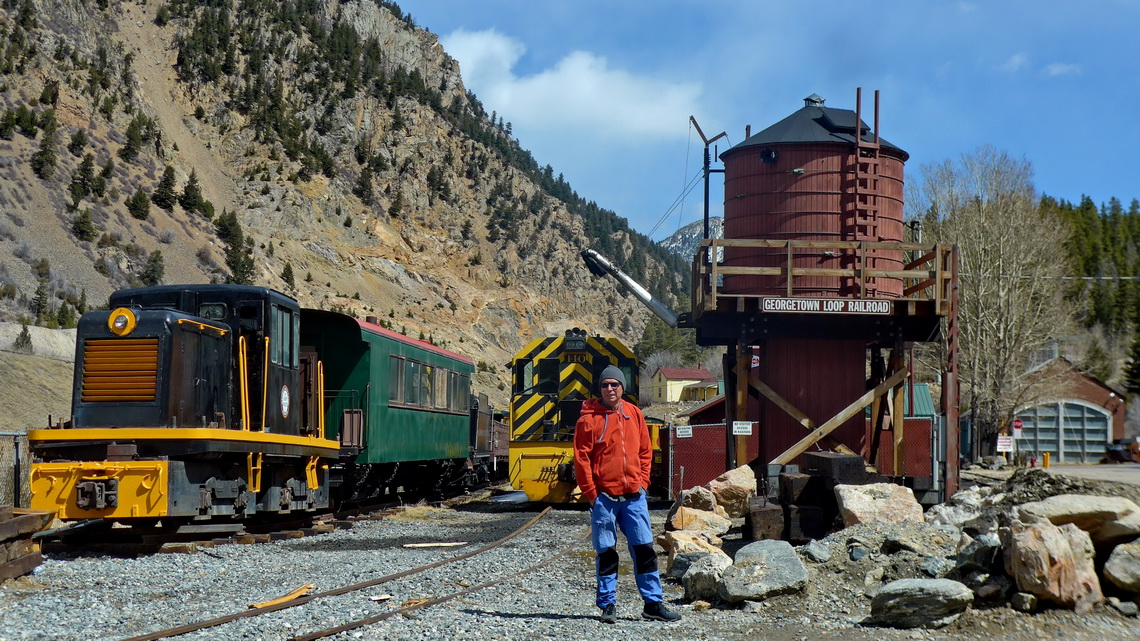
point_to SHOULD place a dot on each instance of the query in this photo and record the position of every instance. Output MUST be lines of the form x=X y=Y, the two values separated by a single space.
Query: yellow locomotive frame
x=551 y=377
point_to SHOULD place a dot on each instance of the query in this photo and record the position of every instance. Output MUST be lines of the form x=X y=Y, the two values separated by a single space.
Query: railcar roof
x=424 y=345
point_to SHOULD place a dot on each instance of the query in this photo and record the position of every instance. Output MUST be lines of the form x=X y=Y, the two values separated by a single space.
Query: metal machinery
x=551 y=378
x=221 y=402
x=185 y=404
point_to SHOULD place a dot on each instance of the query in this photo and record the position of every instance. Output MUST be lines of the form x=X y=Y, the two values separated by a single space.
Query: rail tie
x=191 y=627
x=320 y=634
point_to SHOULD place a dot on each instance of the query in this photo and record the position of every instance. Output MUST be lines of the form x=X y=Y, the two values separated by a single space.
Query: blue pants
x=632 y=516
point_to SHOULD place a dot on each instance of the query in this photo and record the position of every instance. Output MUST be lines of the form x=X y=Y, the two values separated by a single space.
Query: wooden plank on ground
x=21 y=566
x=20 y=526
x=839 y=419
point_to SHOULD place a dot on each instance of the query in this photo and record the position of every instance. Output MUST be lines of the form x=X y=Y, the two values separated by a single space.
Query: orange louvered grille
x=120 y=370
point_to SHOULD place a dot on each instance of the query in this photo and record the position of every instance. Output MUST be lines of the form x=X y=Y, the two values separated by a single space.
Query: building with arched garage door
x=1076 y=424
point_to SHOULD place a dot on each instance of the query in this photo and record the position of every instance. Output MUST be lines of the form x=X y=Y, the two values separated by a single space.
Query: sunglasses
x=609 y=385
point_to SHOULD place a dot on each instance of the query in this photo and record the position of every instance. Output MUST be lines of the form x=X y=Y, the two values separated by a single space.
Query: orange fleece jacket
x=612 y=450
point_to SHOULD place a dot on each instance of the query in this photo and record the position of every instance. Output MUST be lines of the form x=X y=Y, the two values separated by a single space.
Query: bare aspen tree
x=1011 y=258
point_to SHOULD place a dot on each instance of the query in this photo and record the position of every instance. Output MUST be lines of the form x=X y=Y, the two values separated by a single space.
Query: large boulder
x=733 y=489
x=920 y=603
x=1109 y=520
x=877 y=502
x=703 y=576
x=1055 y=563
x=687 y=518
x=685 y=542
x=1123 y=567
x=698 y=498
x=982 y=554
x=762 y=569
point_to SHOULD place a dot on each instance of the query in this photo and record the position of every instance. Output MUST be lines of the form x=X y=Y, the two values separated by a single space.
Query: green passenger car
x=389 y=399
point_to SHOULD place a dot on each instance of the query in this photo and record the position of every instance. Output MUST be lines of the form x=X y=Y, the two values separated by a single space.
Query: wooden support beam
x=839 y=419
x=898 y=412
x=741 y=391
x=794 y=412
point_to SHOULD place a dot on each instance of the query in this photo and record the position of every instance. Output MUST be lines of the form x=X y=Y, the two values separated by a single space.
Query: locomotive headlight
x=122 y=321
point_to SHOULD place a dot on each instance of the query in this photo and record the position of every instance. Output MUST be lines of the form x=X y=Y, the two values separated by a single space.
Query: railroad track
x=280 y=604
x=100 y=538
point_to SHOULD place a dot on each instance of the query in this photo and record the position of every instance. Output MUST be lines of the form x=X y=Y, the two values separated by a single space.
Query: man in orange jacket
x=612 y=455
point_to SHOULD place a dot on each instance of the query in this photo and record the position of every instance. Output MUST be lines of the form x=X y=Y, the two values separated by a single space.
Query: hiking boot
x=658 y=612
x=609 y=614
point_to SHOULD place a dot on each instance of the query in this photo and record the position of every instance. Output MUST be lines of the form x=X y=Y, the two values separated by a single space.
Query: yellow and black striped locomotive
x=189 y=402
x=551 y=378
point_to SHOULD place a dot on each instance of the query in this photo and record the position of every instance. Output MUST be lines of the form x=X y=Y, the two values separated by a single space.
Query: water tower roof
x=815 y=123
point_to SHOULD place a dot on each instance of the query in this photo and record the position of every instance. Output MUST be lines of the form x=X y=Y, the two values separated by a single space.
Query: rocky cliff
x=360 y=172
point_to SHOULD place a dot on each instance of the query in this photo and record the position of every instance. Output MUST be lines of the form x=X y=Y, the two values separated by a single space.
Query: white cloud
x=1062 y=69
x=580 y=93
x=1016 y=63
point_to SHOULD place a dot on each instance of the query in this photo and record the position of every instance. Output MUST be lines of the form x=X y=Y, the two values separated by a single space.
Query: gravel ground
x=96 y=597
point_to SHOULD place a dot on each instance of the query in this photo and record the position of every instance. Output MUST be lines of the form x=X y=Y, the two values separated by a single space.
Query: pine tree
x=133 y=144
x=363 y=188
x=78 y=142
x=153 y=270
x=139 y=204
x=44 y=160
x=191 y=198
x=83 y=227
x=23 y=344
x=65 y=316
x=287 y=276
x=40 y=304
x=1132 y=368
x=164 y=195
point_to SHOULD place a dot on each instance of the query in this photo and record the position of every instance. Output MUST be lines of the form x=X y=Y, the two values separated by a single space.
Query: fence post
x=17 y=468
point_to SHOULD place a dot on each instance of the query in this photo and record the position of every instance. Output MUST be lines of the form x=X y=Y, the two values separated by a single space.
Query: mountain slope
x=342 y=139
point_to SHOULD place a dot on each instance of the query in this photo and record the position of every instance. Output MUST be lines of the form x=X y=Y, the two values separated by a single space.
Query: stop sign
x=1017 y=424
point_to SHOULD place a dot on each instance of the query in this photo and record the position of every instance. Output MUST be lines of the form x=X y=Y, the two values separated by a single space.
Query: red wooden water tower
x=818 y=296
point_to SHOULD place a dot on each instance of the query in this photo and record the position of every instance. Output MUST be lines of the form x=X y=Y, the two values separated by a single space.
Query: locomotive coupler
x=97 y=493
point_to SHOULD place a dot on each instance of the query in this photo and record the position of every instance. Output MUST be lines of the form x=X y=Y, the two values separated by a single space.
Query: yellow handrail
x=320 y=399
x=265 y=384
x=243 y=385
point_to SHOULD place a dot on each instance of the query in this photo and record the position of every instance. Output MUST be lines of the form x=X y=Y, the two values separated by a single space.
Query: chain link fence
x=692 y=455
x=15 y=487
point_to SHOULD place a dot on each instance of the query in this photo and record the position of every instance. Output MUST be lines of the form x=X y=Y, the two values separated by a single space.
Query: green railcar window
x=395 y=379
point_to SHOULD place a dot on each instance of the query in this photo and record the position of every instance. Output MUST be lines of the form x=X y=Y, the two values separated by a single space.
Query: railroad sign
x=1005 y=443
x=742 y=428
x=825 y=306
x=683 y=431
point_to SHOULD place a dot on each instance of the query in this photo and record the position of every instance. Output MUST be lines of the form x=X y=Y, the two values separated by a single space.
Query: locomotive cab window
x=524 y=373
x=548 y=376
x=212 y=311
x=283 y=337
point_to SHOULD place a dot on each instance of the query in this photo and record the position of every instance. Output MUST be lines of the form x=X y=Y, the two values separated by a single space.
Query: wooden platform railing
x=928 y=277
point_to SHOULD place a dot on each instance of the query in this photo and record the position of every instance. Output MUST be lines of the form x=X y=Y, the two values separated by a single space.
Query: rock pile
x=1015 y=544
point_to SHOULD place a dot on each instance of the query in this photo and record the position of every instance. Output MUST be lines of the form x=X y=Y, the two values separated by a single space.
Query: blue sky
x=603 y=90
